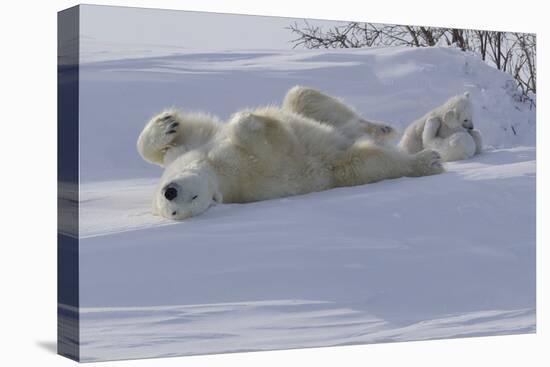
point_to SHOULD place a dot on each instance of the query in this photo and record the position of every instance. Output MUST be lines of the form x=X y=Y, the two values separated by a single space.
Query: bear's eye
x=194 y=197
x=466 y=120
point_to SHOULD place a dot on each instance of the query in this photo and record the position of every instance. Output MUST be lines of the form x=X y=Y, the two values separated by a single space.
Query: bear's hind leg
x=378 y=131
x=332 y=111
x=366 y=162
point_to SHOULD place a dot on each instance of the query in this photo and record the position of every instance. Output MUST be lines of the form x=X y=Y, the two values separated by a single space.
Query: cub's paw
x=428 y=162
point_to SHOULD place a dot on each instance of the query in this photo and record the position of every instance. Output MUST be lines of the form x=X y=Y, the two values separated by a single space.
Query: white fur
x=448 y=129
x=269 y=153
x=170 y=133
x=318 y=106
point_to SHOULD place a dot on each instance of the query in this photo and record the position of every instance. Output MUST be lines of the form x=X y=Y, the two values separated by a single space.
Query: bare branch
x=514 y=53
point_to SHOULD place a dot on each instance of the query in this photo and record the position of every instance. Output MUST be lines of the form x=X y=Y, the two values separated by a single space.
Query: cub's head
x=459 y=112
x=185 y=194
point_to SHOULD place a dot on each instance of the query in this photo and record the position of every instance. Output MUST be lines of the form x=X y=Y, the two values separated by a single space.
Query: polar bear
x=160 y=141
x=268 y=153
x=318 y=106
x=448 y=129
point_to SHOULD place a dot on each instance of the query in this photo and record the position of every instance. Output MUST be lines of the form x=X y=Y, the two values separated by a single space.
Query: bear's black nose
x=170 y=193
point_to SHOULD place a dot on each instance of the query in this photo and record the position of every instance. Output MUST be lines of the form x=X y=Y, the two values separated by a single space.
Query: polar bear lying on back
x=448 y=129
x=262 y=154
x=171 y=133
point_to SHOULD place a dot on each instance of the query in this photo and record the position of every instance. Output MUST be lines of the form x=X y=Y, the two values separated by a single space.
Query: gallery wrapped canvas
x=239 y=183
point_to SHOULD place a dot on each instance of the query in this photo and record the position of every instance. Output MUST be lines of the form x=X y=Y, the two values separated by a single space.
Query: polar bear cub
x=448 y=129
x=318 y=106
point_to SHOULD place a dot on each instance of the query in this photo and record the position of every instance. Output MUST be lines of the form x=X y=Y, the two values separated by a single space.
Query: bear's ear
x=467 y=94
x=218 y=197
x=449 y=115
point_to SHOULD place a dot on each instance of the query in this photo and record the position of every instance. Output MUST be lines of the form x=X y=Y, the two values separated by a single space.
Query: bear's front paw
x=168 y=123
x=429 y=162
x=476 y=135
x=165 y=128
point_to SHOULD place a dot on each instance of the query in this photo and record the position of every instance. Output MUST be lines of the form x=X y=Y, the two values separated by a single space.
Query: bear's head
x=187 y=192
x=459 y=112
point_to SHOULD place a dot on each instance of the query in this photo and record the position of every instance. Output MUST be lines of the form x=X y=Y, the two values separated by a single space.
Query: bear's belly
x=246 y=178
x=260 y=182
x=282 y=183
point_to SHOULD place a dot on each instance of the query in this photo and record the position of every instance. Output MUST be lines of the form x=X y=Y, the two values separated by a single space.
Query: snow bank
x=396 y=85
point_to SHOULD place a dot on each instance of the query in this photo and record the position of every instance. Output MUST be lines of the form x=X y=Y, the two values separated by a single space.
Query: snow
x=451 y=255
x=246 y=326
